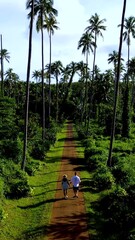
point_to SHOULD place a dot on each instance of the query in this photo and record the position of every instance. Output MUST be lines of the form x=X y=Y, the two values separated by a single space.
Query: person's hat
x=64 y=175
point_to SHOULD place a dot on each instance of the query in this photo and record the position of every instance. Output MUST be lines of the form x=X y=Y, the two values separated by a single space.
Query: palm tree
x=4 y=54
x=56 y=70
x=70 y=70
x=29 y=4
x=82 y=68
x=131 y=72
x=37 y=76
x=11 y=78
x=109 y=161
x=129 y=26
x=50 y=25
x=113 y=58
x=96 y=27
x=42 y=9
x=87 y=44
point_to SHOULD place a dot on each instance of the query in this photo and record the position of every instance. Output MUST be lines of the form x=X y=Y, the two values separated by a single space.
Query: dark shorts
x=75 y=188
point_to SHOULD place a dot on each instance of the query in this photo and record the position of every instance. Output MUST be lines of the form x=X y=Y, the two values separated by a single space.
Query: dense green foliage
x=115 y=186
x=89 y=103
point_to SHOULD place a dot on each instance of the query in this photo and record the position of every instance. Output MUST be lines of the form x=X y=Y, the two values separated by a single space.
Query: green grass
x=27 y=218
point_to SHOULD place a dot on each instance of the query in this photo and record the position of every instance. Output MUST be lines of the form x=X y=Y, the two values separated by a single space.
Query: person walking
x=65 y=185
x=75 y=180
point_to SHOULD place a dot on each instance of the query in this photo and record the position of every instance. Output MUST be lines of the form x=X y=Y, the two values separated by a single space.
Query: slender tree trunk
x=57 y=104
x=43 y=91
x=49 y=110
x=94 y=57
x=86 y=91
x=27 y=89
x=125 y=114
x=2 y=71
x=69 y=85
x=109 y=161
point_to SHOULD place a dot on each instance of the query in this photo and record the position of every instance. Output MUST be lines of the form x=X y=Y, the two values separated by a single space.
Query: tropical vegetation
x=101 y=106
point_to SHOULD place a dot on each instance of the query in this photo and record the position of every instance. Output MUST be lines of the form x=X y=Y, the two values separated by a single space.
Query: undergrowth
x=27 y=218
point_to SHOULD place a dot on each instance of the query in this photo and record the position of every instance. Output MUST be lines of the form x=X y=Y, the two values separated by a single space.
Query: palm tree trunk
x=49 y=110
x=43 y=93
x=109 y=161
x=2 y=71
x=86 y=91
x=57 y=104
x=27 y=89
x=94 y=59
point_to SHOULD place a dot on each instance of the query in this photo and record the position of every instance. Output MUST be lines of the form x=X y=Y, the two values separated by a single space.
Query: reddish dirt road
x=68 y=221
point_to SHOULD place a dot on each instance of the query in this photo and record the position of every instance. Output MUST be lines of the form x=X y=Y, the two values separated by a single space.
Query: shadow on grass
x=35 y=233
x=41 y=203
x=53 y=159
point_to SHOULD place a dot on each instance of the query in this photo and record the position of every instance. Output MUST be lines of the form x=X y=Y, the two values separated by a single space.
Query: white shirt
x=75 y=181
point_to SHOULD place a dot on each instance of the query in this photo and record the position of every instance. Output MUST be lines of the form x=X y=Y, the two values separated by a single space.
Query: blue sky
x=73 y=19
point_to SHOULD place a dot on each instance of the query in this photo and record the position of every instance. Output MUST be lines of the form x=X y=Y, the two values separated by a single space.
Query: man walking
x=75 y=180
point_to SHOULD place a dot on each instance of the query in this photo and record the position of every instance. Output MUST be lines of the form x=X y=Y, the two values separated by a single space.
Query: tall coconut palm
x=113 y=58
x=42 y=9
x=129 y=27
x=70 y=69
x=56 y=70
x=109 y=161
x=11 y=78
x=4 y=55
x=87 y=44
x=51 y=25
x=82 y=68
x=131 y=72
x=29 y=4
x=37 y=76
x=96 y=27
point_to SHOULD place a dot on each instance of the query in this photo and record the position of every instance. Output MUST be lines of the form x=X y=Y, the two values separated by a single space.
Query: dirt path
x=68 y=220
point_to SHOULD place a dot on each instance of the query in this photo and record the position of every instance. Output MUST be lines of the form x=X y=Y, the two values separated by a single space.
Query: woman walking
x=65 y=185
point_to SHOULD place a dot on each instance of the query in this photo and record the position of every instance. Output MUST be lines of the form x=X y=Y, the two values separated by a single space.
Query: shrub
x=121 y=175
x=17 y=188
x=50 y=136
x=123 y=171
x=116 y=211
x=93 y=162
x=11 y=149
x=82 y=132
x=93 y=156
x=15 y=181
x=31 y=167
x=102 y=178
x=38 y=150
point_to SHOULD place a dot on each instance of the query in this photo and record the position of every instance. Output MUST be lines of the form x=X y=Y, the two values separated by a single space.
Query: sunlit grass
x=27 y=218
